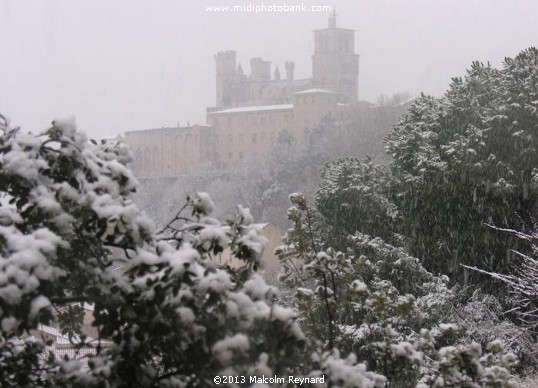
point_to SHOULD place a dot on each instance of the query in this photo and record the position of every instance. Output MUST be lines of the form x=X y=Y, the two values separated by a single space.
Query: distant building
x=335 y=67
x=166 y=152
x=252 y=109
x=62 y=345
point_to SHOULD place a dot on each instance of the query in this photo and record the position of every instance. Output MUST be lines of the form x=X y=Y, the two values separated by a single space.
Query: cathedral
x=252 y=109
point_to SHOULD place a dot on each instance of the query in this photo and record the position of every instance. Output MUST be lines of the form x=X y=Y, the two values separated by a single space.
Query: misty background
x=134 y=64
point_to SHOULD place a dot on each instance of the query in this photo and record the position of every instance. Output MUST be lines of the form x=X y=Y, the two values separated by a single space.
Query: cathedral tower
x=335 y=66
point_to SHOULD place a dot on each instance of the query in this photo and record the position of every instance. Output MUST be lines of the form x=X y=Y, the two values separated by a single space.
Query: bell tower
x=335 y=65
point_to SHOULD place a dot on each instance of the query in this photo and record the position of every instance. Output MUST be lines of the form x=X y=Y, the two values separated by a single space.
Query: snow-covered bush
x=378 y=302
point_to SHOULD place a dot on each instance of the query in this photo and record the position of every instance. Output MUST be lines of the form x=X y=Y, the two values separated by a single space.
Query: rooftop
x=312 y=91
x=257 y=108
x=166 y=129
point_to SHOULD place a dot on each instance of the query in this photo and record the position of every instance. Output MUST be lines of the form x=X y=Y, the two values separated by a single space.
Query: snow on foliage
x=202 y=204
x=476 y=147
x=376 y=301
x=523 y=284
x=166 y=313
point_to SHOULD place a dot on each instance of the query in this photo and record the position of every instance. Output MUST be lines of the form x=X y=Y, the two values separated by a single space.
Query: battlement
x=260 y=69
x=226 y=62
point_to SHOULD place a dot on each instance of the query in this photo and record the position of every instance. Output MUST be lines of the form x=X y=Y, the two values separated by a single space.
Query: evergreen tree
x=466 y=162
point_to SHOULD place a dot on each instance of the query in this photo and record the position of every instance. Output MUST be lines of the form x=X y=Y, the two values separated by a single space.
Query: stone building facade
x=252 y=109
x=165 y=152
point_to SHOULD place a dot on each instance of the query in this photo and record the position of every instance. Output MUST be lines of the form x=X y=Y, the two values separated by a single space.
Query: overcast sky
x=119 y=65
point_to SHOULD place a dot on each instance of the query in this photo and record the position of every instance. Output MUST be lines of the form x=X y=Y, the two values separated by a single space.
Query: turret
x=226 y=76
x=260 y=69
x=226 y=62
x=290 y=66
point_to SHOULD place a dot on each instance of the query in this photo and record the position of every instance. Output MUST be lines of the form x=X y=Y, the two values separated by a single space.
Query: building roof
x=334 y=28
x=257 y=108
x=167 y=129
x=61 y=339
x=312 y=91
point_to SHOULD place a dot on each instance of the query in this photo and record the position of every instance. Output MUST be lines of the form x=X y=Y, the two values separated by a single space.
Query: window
x=230 y=155
x=254 y=137
x=230 y=138
x=241 y=155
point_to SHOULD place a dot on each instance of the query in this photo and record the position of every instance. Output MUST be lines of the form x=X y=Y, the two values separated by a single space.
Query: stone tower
x=226 y=77
x=335 y=66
